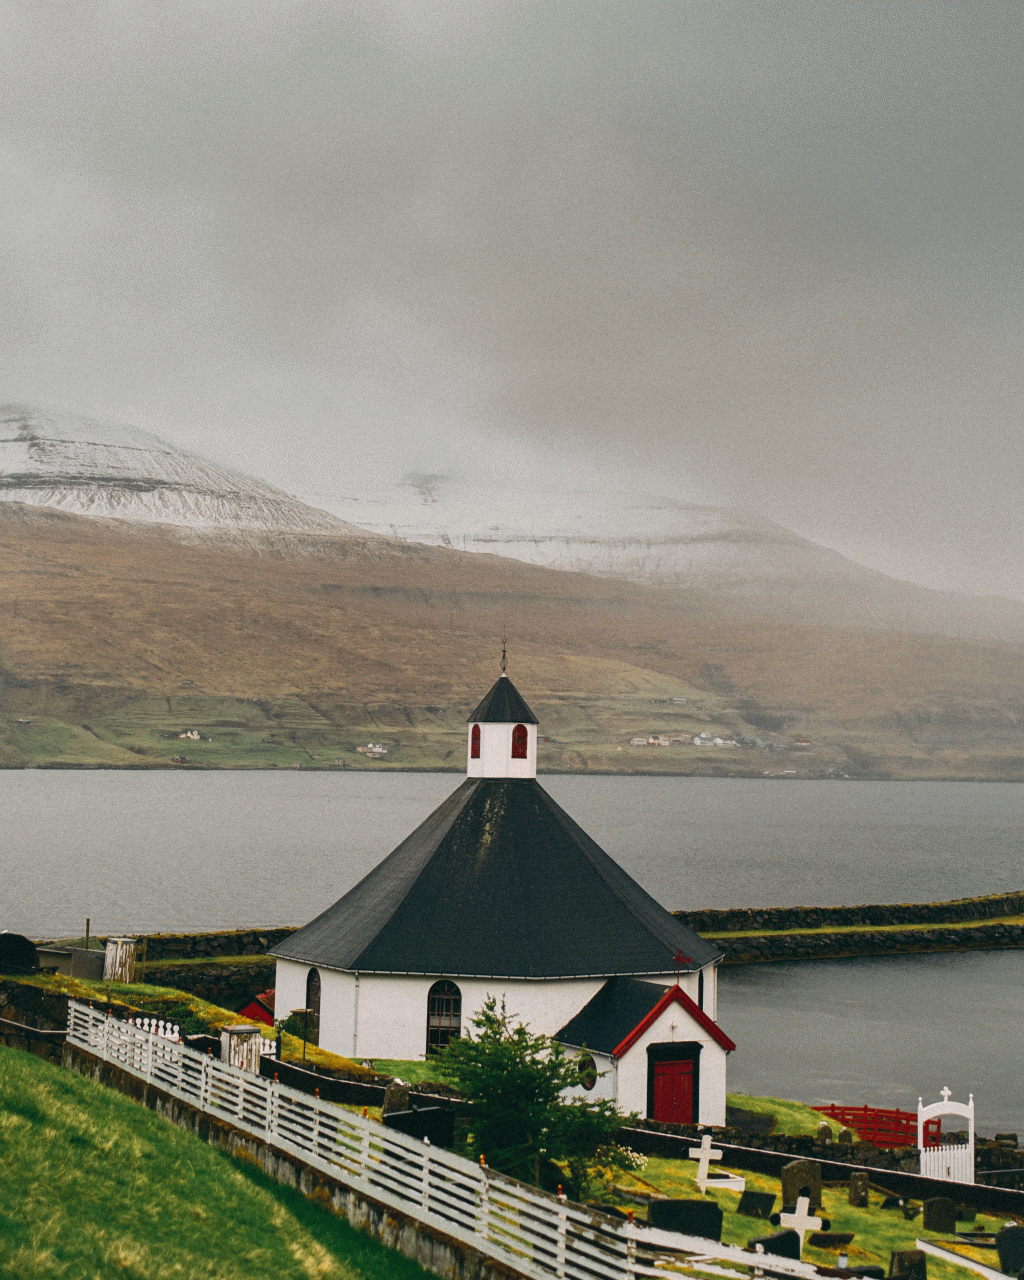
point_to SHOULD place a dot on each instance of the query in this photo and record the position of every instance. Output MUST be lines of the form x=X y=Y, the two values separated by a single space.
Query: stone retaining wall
x=206 y=946
x=828 y=946
x=229 y=986
x=740 y=919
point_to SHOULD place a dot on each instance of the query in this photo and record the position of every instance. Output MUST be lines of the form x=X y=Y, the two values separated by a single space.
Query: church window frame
x=520 y=742
x=444 y=1015
x=314 y=994
x=474 y=743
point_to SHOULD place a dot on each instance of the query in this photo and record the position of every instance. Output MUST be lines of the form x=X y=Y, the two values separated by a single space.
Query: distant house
x=260 y=1008
x=638 y=742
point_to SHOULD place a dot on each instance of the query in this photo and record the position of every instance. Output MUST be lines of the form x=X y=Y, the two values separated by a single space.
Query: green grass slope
x=92 y=1185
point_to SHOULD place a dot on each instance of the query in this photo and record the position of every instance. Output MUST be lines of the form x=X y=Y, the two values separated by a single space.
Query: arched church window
x=474 y=743
x=588 y=1071
x=519 y=742
x=312 y=1027
x=444 y=1015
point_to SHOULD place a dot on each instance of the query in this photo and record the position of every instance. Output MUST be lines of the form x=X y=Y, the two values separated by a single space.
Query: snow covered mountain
x=101 y=469
x=649 y=539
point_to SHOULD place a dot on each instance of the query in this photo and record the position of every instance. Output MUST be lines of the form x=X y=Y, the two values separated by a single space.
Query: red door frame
x=658 y=1056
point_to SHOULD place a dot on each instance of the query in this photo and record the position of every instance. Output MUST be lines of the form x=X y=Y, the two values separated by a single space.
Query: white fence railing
x=536 y=1234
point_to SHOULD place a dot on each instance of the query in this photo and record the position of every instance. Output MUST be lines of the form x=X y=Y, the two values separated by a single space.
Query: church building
x=499 y=892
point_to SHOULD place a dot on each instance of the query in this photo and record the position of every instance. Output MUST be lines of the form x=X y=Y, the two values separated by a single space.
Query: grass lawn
x=95 y=1186
x=790 y=1117
x=876 y=1234
x=179 y=1005
x=412 y=1071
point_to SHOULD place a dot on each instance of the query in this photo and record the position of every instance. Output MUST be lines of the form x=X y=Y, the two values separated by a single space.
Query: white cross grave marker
x=703 y=1154
x=800 y=1221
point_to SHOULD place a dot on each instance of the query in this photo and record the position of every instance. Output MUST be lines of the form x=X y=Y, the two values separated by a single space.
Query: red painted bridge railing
x=884 y=1128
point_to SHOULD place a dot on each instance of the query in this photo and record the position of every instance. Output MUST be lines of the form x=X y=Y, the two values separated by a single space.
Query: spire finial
x=504 y=655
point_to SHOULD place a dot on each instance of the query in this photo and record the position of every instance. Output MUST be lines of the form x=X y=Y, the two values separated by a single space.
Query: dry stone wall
x=957 y=911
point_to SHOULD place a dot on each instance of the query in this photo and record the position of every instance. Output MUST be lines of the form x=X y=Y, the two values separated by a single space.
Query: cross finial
x=680 y=960
x=504 y=655
x=946 y=1094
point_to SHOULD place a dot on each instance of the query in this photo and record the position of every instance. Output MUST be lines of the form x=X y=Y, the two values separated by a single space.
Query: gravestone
x=939 y=1215
x=396 y=1098
x=801 y=1178
x=858 y=1198
x=909 y=1264
x=830 y=1239
x=435 y=1123
x=690 y=1217
x=1010 y=1243
x=845 y=1138
x=824 y=1134
x=783 y=1244
x=966 y=1213
x=756 y=1204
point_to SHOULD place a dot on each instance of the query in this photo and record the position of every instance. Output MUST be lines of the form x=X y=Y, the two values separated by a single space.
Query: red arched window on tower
x=519 y=742
x=474 y=743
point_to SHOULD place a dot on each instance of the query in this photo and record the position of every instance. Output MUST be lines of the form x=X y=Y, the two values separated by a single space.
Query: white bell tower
x=501 y=736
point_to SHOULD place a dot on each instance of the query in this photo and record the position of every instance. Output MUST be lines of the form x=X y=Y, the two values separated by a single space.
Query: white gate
x=952 y=1162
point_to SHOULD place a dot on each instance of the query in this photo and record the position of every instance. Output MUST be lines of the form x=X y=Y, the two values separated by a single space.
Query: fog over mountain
x=760 y=258
x=114 y=471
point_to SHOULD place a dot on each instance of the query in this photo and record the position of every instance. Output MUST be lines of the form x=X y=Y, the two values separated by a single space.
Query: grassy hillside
x=94 y=1185
x=115 y=640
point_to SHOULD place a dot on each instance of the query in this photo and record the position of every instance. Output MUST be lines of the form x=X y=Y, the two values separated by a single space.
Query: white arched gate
x=955 y=1162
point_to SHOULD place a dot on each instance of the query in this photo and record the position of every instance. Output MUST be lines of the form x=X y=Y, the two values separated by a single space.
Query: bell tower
x=501 y=737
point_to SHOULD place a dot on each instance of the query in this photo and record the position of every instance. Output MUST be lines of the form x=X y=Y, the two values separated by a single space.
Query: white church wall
x=495 y=760
x=632 y=1066
x=393 y=1010
x=336 y=1002
x=605 y=1088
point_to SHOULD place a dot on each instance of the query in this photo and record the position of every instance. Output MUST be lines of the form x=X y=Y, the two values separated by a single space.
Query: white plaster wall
x=336 y=1002
x=393 y=1010
x=632 y=1068
x=495 y=759
x=606 y=1079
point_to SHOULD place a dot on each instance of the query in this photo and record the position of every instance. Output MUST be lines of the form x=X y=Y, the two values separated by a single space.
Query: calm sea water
x=143 y=852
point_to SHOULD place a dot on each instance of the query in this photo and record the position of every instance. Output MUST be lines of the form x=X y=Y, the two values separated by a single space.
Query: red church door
x=673 y=1091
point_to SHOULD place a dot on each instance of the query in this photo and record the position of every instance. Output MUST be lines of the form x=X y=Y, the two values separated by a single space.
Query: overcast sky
x=767 y=256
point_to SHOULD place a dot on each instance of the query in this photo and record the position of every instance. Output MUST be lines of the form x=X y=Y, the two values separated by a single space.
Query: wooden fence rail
x=523 y=1228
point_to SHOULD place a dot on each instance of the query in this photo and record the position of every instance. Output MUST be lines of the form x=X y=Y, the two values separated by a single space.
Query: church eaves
x=498 y=881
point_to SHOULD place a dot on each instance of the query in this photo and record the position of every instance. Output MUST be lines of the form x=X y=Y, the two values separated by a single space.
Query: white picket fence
x=953 y=1163
x=536 y=1234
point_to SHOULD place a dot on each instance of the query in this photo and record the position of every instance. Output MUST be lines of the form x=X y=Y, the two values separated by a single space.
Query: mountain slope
x=102 y=469
x=117 y=638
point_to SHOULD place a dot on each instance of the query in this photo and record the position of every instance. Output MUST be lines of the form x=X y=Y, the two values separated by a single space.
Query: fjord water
x=147 y=852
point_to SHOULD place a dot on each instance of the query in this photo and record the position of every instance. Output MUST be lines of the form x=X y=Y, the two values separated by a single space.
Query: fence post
x=560 y=1242
x=630 y=1246
x=272 y=1096
x=483 y=1210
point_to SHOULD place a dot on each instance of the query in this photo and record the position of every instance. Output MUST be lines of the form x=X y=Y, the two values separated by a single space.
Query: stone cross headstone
x=859 y=1190
x=801 y=1178
x=701 y=1218
x=909 y=1264
x=801 y=1221
x=1010 y=1243
x=939 y=1215
x=703 y=1154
